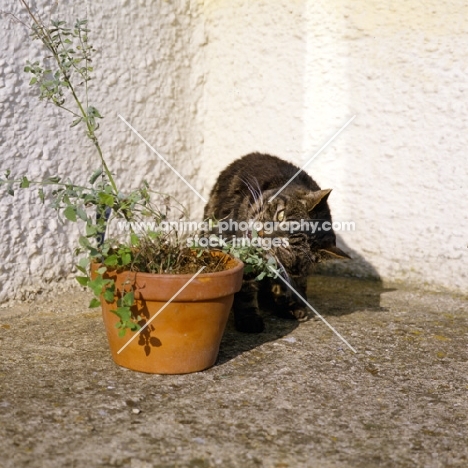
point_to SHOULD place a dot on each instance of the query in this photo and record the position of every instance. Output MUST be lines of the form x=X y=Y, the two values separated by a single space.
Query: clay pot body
x=185 y=336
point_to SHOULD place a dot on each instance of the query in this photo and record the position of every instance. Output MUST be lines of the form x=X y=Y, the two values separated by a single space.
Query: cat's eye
x=280 y=215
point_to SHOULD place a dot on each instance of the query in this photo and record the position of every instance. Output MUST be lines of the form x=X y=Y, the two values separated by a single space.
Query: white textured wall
x=207 y=82
x=254 y=91
x=285 y=75
x=401 y=170
x=148 y=68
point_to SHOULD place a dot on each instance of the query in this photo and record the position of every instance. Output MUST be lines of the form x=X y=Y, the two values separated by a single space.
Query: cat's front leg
x=246 y=316
x=286 y=302
x=297 y=307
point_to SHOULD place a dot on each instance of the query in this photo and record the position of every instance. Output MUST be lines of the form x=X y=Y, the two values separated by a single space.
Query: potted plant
x=165 y=303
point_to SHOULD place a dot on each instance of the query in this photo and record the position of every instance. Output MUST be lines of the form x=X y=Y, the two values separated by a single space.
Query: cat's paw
x=248 y=321
x=301 y=313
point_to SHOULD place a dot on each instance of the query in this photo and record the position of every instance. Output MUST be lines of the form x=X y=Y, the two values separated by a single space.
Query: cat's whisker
x=260 y=193
x=247 y=184
x=257 y=196
x=254 y=193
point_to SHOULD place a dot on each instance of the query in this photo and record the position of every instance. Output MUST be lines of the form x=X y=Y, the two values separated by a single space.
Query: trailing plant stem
x=45 y=37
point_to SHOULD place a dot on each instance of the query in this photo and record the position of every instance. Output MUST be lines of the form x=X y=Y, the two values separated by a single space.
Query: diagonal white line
x=160 y=310
x=311 y=159
x=311 y=308
x=162 y=158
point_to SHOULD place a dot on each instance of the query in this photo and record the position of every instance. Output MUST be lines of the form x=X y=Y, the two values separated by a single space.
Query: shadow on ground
x=329 y=295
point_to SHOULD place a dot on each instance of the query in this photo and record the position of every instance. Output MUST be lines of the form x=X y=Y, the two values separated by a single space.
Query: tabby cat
x=242 y=193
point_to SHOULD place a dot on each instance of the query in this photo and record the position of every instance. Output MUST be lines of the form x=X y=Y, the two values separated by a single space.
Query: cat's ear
x=333 y=253
x=312 y=199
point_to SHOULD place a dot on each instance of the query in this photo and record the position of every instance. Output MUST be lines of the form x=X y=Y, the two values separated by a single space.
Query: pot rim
x=188 y=287
x=219 y=274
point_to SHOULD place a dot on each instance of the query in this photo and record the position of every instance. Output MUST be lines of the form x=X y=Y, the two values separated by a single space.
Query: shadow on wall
x=334 y=289
x=357 y=267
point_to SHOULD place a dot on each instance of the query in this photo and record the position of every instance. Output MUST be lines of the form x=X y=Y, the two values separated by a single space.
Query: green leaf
x=24 y=182
x=95 y=175
x=126 y=259
x=101 y=271
x=83 y=270
x=106 y=199
x=81 y=214
x=84 y=242
x=76 y=122
x=49 y=84
x=83 y=280
x=124 y=313
x=94 y=303
x=91 y=230
x=70 y=213
x=134 y=239
x=111 y=261
x=98 y=284
x=41 y=195
x=33 y=80
x=129 y=299
x=83 y=264
x=93 y=112
x=109 y=295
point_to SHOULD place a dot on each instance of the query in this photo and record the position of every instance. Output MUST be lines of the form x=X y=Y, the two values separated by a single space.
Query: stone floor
x=294 y=396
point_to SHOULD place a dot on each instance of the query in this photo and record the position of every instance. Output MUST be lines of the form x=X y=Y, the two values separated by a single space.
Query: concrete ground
x=294 y=396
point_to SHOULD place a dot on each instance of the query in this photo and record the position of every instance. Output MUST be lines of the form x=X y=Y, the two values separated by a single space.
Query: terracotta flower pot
x=185 y=336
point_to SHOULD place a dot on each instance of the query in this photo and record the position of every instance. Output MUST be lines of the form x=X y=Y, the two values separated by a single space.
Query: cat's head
x=302 y=218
